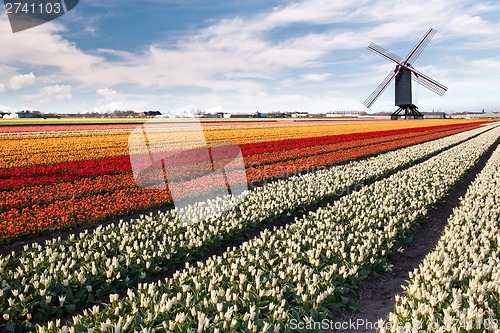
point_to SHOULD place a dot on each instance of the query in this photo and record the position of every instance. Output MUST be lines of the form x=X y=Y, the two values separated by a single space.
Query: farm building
x=245 y=115
x=18 y=115
x=434 y=115
x=300 y=114
x=150 y=114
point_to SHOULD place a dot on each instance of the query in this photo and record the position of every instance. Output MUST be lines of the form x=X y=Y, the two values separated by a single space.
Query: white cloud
x=215 y=109
x=18 y=82
x=316 y=77
x=107 y=93
x=109 y=100
x=6 y=108
x=50 y=94
x=103 y=107
x=43 y=46
x=491 y=64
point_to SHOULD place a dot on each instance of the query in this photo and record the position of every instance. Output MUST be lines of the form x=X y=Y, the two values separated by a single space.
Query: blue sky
x=241 y=56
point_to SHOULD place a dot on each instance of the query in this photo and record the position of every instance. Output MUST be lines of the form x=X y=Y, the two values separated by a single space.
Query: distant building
x=18 y=115
x=150 y=114
x=484 y=115
x=244 y=115
x=345 y=114
x=278 y=114
x=299 y=114
x=434 y=115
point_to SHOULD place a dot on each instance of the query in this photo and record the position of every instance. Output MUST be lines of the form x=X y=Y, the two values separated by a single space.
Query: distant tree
x=36 y=114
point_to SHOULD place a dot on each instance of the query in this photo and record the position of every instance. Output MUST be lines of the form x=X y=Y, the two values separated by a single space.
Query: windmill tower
x=404 y=74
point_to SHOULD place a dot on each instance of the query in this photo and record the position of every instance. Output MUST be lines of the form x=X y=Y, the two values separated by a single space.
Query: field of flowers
x=273 y=282
x=301 y=271
x=456 y=288
x=56 y=180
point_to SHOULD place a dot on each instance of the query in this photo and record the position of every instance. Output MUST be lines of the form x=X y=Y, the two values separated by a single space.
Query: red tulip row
x=59 y=215
x=290 y=167
x=304 y=151
x=59 y=172
x=43 y=194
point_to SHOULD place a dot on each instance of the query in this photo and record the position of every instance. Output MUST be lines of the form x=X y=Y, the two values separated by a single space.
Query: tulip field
x=352 y=191
x=467 y=258
x=56 y=180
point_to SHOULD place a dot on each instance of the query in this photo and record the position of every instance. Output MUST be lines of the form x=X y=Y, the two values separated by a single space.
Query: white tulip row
x=92 y=264
x=457 y=286
x=300 y=271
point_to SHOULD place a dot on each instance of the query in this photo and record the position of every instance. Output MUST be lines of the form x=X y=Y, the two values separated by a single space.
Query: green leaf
x=38 y=317
x=80 y=293
x=44 y=306
x=314 y=314
x=69 y=296
x=11 y=327
x=71 y=308
x=268 y=293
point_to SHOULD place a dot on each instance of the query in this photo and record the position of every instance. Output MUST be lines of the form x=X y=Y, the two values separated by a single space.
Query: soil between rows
x=376 y=295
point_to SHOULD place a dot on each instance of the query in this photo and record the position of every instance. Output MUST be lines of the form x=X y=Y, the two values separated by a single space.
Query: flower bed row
x=296 y=274
x=21 y=219
x=29 y=150
x=65 y=128
x=457 y=286
x=84 y=268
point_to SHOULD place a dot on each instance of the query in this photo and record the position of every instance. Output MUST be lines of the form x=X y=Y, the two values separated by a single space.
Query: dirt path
x=376 y=294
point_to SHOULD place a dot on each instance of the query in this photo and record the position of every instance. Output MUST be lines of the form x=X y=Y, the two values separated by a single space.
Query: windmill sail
x=380 y=89
x=417 y=50
x=383 y=52
x=428 y=83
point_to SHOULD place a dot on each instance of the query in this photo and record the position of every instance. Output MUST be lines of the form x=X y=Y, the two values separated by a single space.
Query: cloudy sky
x=240 y=55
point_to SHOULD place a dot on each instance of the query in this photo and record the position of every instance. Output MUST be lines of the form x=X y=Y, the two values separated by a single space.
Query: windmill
x=404 y=73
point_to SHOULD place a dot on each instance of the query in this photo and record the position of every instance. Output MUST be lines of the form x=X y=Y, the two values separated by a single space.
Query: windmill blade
x=384 y=53
x=427 y=82
x=417 y=50
x=380 y=89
